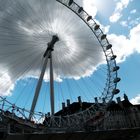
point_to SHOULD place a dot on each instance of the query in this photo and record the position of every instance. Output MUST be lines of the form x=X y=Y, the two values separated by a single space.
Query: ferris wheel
x=54 y=48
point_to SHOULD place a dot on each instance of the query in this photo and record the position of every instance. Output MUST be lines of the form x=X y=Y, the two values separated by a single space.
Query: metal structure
x=75 y=121
x=112 y=80
x=46 y=55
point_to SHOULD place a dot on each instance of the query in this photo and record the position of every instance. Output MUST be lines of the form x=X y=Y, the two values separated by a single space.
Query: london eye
x=52 y=52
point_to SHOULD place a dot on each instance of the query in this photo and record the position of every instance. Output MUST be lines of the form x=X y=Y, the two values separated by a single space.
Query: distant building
x=121 y=121
x=120 y=114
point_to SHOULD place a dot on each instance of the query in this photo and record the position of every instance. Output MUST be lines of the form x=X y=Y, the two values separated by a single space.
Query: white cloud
x=133 y=11
x=130 y=23
x=121 y=46
x=124 y=23
x=124 y=46
x=134 y=22
x=77 y=54
x=106 y=29
x=117 y=14
x=28 y=28
x=90 y=7
x=135 y=100
x=135 y=37
x=5 y=84
x=115 y=17
x=125 y=2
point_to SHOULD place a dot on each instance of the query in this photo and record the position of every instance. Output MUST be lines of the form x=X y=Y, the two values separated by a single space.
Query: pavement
x=121 y=134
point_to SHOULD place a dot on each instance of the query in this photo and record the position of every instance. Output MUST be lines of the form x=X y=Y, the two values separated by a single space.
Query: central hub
x=51 y=44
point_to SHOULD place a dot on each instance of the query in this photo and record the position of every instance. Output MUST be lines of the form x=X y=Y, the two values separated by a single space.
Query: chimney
x=103 y=100
x=68 y=102
x=49 y=114
x=63 y=106
x=118 y=100
x=96 y=100
x=79 y=99
x=125 y=97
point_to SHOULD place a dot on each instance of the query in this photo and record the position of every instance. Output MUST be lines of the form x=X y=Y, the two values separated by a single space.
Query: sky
x=121 y=21
x=79 y=68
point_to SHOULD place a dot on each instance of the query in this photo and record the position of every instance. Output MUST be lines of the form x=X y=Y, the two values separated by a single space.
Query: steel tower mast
x=47 y=55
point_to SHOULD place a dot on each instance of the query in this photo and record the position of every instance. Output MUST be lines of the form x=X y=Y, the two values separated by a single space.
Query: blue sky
x=120 y=20
x=128 y=18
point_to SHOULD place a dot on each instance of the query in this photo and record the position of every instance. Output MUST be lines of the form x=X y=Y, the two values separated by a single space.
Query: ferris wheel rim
x=101 y=37
x=75 y=8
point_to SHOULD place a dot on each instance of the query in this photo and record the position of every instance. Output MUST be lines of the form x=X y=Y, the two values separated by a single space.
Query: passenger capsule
x=109 y=46
x=115 y=91
x=80 y=10
x=113 y=57
x=89 y=18
x=96 y=27
x=116 y=80
x=70 y=2
x=116 y=68
x=103 y=36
